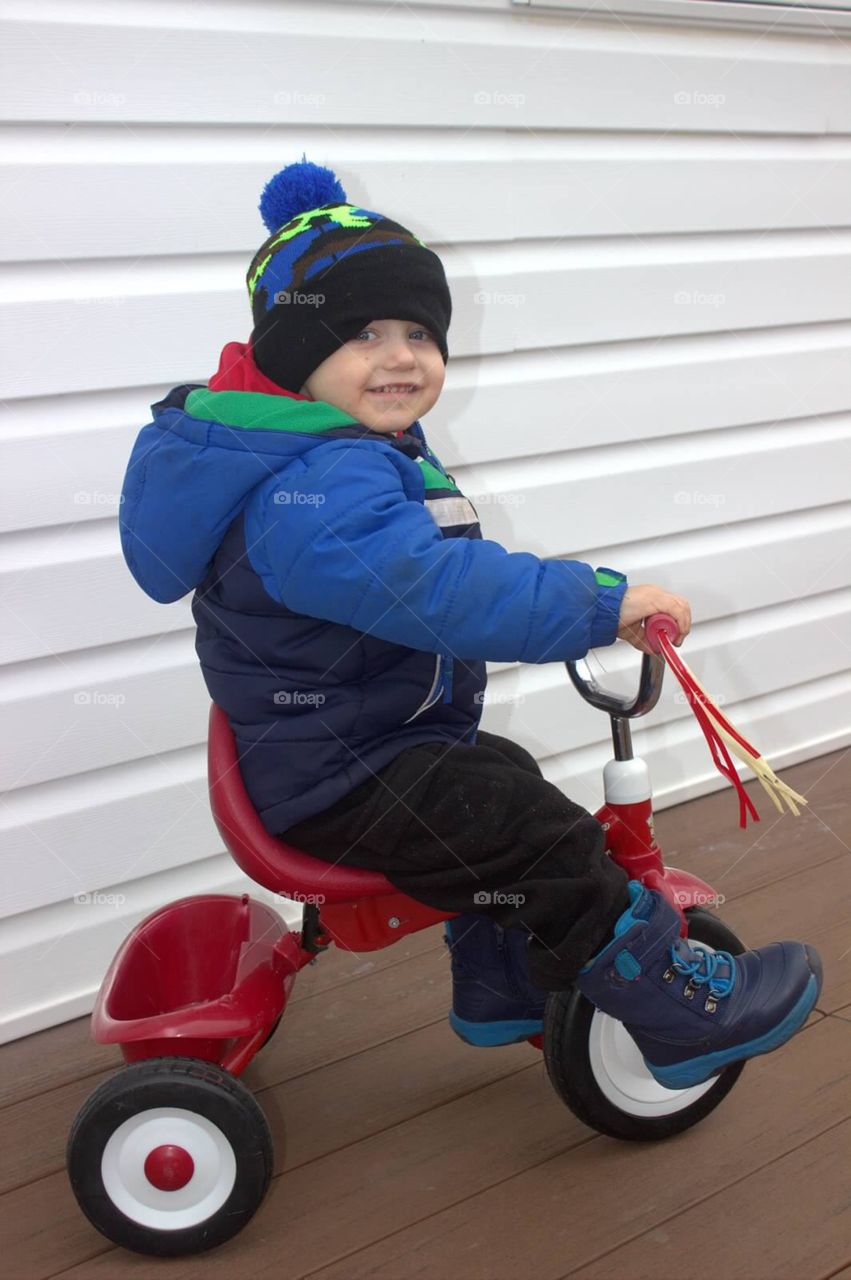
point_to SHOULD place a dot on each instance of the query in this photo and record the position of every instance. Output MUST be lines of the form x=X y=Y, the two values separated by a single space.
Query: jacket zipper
x=447 y=658
x=447 y=691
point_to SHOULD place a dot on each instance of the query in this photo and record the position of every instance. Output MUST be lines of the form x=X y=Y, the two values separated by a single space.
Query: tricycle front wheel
x=597 y=1070
x=169 y=1157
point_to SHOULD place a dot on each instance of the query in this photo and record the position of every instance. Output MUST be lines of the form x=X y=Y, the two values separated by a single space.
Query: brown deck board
x=814 y=905
x=402 y=1151
x=703 y=836
x=563 y=1213
x=776 y=1236
x=309 y=1114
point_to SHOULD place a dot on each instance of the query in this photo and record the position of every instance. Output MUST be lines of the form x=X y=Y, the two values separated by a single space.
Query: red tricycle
x=173 y=1154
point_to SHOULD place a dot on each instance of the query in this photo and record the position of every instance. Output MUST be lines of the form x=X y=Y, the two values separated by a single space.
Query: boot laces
x=702 y=968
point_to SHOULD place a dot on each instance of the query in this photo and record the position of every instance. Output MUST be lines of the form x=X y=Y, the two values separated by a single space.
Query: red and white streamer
x=721 y=734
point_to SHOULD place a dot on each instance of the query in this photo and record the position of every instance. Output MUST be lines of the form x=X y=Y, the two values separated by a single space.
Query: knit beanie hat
x=327 y=270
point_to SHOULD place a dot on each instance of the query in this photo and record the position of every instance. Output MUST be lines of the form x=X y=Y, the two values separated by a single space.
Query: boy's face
x=396 y=354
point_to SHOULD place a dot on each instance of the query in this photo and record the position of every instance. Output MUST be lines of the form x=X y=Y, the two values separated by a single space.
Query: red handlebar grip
x=660 y=622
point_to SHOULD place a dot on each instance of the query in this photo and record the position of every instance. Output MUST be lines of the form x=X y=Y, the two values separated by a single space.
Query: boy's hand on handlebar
x=639 y=603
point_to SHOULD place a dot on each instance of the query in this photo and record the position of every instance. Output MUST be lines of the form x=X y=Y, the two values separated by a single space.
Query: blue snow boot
x=493 y=1001
x=692 y=1012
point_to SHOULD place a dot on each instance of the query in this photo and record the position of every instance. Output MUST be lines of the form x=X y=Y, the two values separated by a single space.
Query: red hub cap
x=168 y=1168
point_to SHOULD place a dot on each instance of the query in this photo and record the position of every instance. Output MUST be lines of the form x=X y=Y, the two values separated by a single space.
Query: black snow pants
x=476 y=827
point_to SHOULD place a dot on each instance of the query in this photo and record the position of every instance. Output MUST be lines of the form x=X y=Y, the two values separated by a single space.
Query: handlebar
x=656 y=623
x=649 y=682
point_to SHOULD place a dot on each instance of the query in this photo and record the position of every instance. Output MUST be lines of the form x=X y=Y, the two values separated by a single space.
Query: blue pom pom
x=295 y=189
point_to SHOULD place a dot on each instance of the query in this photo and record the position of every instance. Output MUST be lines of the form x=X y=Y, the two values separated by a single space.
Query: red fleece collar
x=237 y=371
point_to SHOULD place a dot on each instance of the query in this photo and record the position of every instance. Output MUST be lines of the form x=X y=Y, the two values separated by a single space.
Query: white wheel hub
x=623 y=1078
x=129 y=1188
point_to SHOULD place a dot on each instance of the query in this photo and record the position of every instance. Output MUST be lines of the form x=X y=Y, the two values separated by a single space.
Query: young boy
x=346 y=603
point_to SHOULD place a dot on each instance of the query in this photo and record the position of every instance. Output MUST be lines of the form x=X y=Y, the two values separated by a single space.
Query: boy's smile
x=387 y=376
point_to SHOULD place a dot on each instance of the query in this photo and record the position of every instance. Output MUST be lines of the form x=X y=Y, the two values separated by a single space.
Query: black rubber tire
x=567 y=1025
x=194 y=1085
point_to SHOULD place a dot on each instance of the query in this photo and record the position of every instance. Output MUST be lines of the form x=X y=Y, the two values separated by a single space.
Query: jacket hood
x=193 y=468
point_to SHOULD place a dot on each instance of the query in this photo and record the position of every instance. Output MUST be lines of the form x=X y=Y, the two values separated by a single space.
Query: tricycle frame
x=358 y=911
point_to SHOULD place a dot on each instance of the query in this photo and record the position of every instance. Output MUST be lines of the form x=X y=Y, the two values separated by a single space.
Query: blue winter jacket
x=344 y=596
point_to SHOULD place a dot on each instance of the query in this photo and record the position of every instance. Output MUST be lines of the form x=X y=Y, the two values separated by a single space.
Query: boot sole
x=490 y=1034
x=682 y=1075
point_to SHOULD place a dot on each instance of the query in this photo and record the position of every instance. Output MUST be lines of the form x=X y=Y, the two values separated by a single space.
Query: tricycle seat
x=270 y=861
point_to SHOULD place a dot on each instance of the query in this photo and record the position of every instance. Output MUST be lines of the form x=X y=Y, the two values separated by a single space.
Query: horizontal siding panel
x=105 y=209
x=73 y=414
x=122 y=704
x=615 y=393
x=72 y=479
x=463 y=72
x=666 y=488
x=38 y=626
x=820 y=17
x=77 y=835
x=684 y=487
x=805 y=720
x=54 y=959
x=62 y=459
x=130 y=322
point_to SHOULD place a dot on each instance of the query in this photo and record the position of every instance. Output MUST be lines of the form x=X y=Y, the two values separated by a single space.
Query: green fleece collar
x=256 y=410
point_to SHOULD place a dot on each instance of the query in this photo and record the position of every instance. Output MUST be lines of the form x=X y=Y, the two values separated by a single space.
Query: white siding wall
x=646 y=230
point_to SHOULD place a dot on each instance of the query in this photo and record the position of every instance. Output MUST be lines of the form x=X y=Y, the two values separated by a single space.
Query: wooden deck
x=404 y=1153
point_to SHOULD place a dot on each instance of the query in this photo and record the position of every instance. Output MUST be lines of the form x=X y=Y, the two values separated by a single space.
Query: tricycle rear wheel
x=171 y=1156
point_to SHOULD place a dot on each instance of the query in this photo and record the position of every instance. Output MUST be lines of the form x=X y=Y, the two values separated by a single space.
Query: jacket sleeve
x=341 y=540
